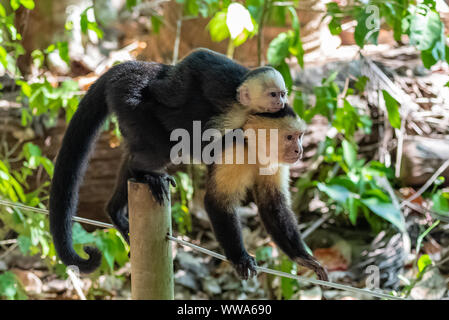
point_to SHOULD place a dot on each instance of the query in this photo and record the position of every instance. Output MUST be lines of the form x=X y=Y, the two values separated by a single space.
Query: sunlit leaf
x=349 y=153
x=386 y=210
x=393 y=110
x=218 y=29
x=278 y=49
x=423 y=262
x=335 y=191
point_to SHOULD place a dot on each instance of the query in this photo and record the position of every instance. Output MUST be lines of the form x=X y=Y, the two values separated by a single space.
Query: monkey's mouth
x=275 y=107
x=292 y=160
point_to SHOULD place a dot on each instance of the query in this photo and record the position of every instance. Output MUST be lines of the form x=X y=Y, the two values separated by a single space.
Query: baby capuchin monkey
x=268 y=181
x=263 y=90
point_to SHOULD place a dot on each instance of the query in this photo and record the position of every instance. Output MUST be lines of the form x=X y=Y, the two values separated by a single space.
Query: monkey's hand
x=245 y=267
x=157 y=182
x=313 y=264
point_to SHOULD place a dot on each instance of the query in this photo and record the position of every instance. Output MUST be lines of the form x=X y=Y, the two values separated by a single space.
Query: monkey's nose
x=296 y=151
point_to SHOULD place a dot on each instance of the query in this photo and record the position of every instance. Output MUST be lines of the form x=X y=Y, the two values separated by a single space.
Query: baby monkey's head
x=263 y=90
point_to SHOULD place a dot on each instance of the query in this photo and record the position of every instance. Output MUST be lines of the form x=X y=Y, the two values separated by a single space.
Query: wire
x=219 y=256
x=288 y=275
x=45 y=211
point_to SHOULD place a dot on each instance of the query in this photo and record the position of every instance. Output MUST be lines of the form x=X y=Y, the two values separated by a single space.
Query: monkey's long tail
x=68 y=174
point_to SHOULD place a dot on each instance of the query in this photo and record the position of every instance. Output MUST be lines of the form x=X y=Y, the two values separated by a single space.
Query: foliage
x=180 y=210
x=421 y=23
x=346 y=181
x=356 y=191
x=10 y=287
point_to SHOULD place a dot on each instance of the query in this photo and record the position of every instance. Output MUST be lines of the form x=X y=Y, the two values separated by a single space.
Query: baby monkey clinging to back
x=263 y=90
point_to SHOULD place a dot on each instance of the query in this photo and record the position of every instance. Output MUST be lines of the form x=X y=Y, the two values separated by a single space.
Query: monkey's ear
x=243 y=95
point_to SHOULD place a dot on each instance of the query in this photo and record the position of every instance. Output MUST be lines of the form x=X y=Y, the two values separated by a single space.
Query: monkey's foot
x=245 y=267
x=158 y=186
x=313 y=264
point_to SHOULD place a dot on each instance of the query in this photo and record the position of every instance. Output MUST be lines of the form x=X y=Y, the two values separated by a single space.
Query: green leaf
x=84 y=21
x=423 y=262
x=15 y=4
x=392 y=109
x=285 y=72
x=263 y=253
x=3 y=57
x=385 y=210
x=24 y=244
x=335 y=26
x=25 y=87
x=131 y=4
x=29 y=4
x=361 y=83
x=8 y=285
x=94 y=27
x=278 y=49
x=353 y=206
x=2 y=11
x=191 y=8
x=156 y=23
x=440 y=203
x=364 y=32
x=349 y=153
x=81 y=236
x=299 y=104
x=425 y=28
x=217 y=27
x=63 y=50
x=287 y=284
x=335 y=192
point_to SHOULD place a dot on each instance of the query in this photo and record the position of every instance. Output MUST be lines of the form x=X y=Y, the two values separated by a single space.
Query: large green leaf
x=425 y=28
x=218 y=29
x=365 y=31
x=278 y=49
x=385 y=210
x=440 y=202
x=349 y=153
x=393 y=110
x=335 y=192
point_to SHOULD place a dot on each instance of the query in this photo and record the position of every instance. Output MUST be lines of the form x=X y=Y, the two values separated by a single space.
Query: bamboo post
x=151 y=255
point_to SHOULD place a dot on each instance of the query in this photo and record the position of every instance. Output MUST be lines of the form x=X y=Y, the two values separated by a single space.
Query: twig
x=10 y=249
x=424 y=210
x=315 y=226
x=76 y=283
x=428 y=183
x=260 y=34
x=9 y=241
x=177 y=41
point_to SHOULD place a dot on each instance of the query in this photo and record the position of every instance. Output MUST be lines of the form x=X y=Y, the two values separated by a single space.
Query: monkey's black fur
x=150 y=100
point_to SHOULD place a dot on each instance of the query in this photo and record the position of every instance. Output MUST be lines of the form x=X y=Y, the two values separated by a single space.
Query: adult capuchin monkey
x=268 y=180
x=150 y=100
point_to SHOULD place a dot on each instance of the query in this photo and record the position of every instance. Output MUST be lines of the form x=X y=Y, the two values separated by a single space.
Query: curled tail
x=68 y=174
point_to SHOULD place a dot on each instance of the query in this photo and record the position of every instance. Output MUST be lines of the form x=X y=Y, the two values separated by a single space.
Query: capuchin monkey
x=151 y=100
x=228 y=184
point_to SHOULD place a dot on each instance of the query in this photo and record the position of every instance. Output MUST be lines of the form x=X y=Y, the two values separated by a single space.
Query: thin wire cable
x=288 y=275
x=45 y=211
x=219 y=256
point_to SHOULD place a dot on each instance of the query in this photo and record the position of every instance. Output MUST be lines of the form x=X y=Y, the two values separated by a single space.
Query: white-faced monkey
x=228 y=185
x=150 y=100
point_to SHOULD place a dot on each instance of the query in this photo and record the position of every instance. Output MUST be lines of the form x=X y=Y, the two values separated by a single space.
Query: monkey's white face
x=291 y=143
x=264 y=93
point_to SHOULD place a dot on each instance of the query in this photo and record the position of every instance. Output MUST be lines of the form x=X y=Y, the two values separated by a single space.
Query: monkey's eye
x=289 y=137
x=273 y=94
x=282 y=94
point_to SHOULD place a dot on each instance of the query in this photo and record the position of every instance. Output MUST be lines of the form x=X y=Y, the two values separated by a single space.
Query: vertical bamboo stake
x=151 y=256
